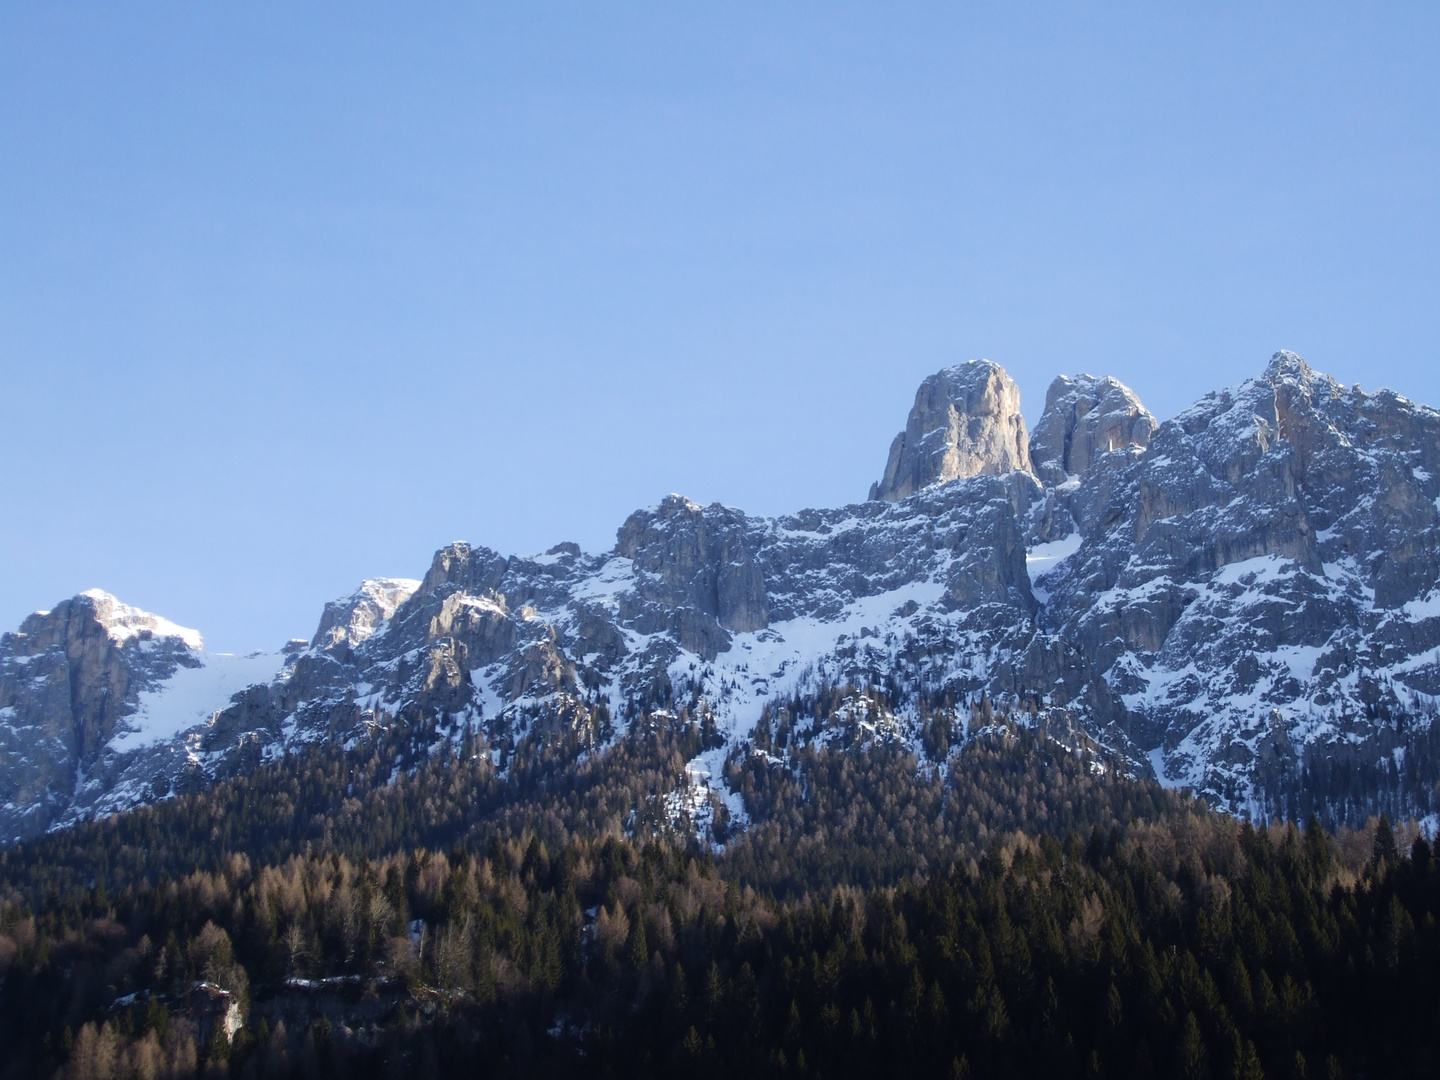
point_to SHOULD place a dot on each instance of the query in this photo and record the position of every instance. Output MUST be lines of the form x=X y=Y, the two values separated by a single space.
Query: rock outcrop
x=695 y=570
x=68 y=678
x=352 y=619
x=965 y=422
x=1086 y=422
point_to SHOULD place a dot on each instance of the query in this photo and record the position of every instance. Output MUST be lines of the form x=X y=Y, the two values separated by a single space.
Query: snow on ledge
x=1043 y=558
x=123 y=622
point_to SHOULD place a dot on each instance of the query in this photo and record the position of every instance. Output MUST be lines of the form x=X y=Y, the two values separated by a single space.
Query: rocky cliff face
x=1086 y=424
x=1259 y=589
x=355 y=618
x=68 y=677
x=1245 y=599
x=965 y=422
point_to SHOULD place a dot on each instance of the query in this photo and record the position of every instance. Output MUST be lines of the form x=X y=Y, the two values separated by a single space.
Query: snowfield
x=192 y=696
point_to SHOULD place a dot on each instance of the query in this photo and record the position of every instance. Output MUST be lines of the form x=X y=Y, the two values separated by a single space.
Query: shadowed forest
x=1025 y=909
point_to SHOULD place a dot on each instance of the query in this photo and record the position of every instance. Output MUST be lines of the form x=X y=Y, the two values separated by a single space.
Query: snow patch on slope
x=780 y=659
x=192 y=696
x=1427 y=607
x=1157 y=762
x=615 y=577
x=705 y=778
x=1044 y=558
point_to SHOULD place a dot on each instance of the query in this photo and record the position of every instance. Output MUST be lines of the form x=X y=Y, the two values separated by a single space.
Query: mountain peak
x=1290 y=369
x=122 y=622
x=354 y=618
x=1286 y=364
x=1086 y=417
x=965 y=422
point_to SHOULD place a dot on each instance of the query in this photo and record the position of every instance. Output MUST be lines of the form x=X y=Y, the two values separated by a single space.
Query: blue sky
x=291 y=295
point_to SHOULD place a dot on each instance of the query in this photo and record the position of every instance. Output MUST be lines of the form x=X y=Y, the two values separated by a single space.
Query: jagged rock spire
x=1286 y=364
x=1084 y=418
x=965 y=422
x=354 y=618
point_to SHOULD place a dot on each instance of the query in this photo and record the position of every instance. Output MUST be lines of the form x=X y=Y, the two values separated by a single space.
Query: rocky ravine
x=1245 y=598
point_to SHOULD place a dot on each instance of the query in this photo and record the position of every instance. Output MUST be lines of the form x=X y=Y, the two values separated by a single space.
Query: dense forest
x=1006 y=901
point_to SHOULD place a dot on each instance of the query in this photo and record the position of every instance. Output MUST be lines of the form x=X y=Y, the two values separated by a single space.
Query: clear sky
x=293 y=294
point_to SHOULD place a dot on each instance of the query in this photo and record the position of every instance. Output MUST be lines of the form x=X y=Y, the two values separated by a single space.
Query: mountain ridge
x=1244 y=598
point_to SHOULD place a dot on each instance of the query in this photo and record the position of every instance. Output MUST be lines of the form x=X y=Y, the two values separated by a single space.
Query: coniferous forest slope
x=1028 y=909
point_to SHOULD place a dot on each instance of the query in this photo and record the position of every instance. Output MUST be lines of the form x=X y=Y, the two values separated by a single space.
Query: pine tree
x=1385 y=849
x=1191 y=1054
x=1247 y=1061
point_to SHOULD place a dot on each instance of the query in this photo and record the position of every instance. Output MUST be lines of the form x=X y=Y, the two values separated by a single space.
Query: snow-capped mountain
x=101 y=707
x=1258 y=591
x=1245 y=598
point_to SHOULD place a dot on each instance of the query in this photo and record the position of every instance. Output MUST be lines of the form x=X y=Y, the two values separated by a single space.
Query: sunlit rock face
x=1086 y=420
x=352 y=619
x=965 y=422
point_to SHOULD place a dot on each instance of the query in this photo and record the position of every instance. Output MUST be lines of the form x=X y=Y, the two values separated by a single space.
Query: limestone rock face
x=965 y=422
x=698 y=560
x=1086 y=421
x=1265 y=575
x=68 y=677
x=354 y=618
x=458 y=564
